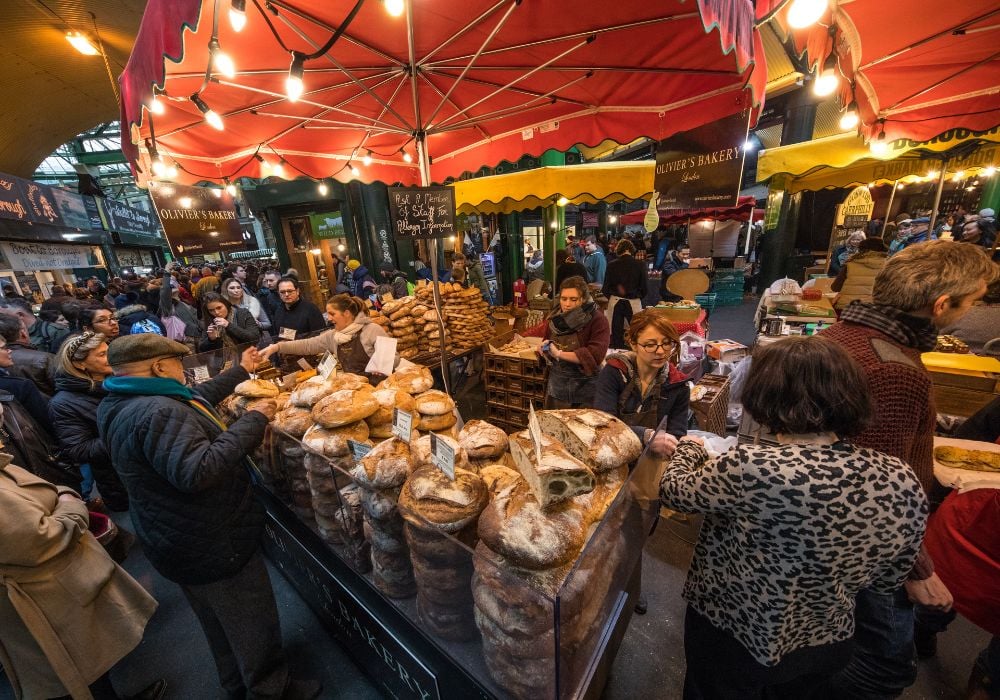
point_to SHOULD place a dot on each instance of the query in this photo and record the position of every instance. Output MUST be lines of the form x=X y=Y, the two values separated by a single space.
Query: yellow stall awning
x=844 y=160
x=588 y=183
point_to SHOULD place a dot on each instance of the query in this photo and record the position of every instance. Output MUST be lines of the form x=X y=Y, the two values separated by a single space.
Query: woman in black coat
x=81 y=368
x=227 y=326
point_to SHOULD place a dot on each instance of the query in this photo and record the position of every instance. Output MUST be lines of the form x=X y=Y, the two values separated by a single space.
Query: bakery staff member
x=576 y=337
x=294 y=317
x=351 y=340
x=643 y=387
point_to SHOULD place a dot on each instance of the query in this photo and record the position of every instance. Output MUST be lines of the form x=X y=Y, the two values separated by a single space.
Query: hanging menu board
x=422 y=212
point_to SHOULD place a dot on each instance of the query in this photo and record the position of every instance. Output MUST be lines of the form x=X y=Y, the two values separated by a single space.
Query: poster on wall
x=702 y=167
x=47 y=256
x=119 y=216
x=422 y=212
x=197 y=220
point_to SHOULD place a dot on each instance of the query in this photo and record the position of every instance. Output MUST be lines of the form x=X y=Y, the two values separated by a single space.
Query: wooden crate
x=711 y=409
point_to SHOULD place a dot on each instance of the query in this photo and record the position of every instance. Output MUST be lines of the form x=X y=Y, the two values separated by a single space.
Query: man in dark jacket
x=44 y=335
x=568 y=267
x=188 y=479
x=295 y=317
x=625 y=287
x=268 y=294
x=29 y=363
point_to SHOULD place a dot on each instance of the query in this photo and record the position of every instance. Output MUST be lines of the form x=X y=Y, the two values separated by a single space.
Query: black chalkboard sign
x=422 y=212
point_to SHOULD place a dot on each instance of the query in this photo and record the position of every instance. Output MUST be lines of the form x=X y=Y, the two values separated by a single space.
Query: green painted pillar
x=991 y=193
x=550 y=214
x=512 y=243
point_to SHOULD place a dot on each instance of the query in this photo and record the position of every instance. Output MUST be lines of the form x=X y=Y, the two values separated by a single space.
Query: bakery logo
x=40 y=204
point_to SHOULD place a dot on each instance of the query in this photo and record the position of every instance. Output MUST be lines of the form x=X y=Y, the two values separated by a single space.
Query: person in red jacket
x=919 y=290
x=576 y=336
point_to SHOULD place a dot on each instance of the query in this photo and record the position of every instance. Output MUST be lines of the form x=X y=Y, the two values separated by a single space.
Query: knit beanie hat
x=353 y=264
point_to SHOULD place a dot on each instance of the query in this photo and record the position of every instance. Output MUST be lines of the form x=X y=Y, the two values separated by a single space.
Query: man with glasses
x=188 y=477
x=295 y=317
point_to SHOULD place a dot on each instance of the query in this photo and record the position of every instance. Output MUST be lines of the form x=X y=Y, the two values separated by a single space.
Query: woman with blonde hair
x=81 y=368
x=233 y=292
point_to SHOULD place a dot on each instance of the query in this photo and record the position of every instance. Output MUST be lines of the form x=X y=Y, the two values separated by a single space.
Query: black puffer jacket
x=242 y=328
x=73 y=413
x=36 y=365
x=193 y=505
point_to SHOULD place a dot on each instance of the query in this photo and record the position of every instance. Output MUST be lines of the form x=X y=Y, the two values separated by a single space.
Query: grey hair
x=917 y=276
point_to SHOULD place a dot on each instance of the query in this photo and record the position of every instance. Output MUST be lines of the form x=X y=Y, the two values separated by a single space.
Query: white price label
x=402 y=424
x=358 y=449
x=326 y=366
x=303 y=364
x=287 y=334
x=535 y=431
x=200 y=374
x=443 y=455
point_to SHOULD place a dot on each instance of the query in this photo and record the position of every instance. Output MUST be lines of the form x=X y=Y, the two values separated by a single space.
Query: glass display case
x=436 y=614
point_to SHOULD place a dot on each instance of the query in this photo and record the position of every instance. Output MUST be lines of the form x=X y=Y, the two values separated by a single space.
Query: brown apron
x=645 y=417
x=351 y=356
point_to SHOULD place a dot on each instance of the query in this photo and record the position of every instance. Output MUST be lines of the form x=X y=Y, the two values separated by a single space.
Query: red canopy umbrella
x=914 y=69
x=743 y=211
x=444 y=89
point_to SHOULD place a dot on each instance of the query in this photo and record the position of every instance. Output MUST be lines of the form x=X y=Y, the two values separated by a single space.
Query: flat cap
x=143 y=346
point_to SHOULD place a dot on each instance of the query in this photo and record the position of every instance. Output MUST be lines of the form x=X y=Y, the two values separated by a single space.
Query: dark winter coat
x=626 y=278
x=47 y=336
x=36 y=365
x=269 y=301
x=673 y=399
x=566 y=270
x=242 y=329
x=193 y=505
x=304 y=317
x=73 y=413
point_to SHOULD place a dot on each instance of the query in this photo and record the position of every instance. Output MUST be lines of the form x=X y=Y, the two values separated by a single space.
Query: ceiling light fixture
x=230 y=187
x=238 y=15
x=211 y=116
x=804 y=13
x=749 y=146
x=826 y=82
x=294 y=87
x=367 y=160
x=82 y=43
x=279 y=168
x=406 y=156
x=221 y=60
x=354 y=169
x=562 y=201
x=394 y=7
x=322 y=189
x=990 y=171
x=850 y=118
x=155 y=105
x=185 y=202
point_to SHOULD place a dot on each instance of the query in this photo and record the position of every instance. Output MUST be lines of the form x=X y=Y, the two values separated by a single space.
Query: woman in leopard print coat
x=792 y=532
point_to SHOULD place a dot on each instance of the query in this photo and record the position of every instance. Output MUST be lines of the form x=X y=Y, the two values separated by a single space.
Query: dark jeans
x=884 y=663
x=101 y=689
x=720 y=668
x=240 y=621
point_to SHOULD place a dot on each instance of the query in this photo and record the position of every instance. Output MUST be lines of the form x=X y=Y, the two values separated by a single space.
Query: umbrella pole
x=888 y=209
x=937 y=196
x=425 y=181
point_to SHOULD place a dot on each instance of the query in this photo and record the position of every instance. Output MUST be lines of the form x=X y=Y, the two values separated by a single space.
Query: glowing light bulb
x=316 y=251
x=238 y=15
x=159 y=169
x=221 y=61
x=749 y=146
x=407 y=157
x=932 y=174
x=879 y=148
x=355 y=172
x=155 y=106
x=231 y=189
x=562 y=201
x=278 y=169
x=171 y=172
x=367 y=160
x=826 y=83
x=870 y=185
x=804 y=13
x=341 y=248
x=959 y=175
x=612 y=219
x=323 y=189
x=990 y=171
x=850 y=120
x=81 y=42
x=214 y=120
x=394 y=7
x=294 y=85
x=185 y=202
x=217 y=193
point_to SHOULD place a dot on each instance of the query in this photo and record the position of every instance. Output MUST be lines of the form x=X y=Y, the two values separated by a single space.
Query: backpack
x=174 y=328
x=145 y=325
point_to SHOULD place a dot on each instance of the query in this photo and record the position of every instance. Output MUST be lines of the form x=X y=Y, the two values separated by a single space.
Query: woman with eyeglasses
x=100 y=320
x=643 y=387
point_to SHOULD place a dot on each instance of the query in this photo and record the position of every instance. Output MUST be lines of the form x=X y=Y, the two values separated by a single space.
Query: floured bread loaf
x=558 y=477
x=283 y=400
x=498 y=477
x=482 y=440
x=293 y=420
x=436 y=423
x=345 y=406
x=389 y=398
x=420 y=448
x=600 y=440
x=332 y=442
x=306 y=394
x=414 y=380
x=434 y=403
x=386 y=466
x=445 y=504
x=257 y=388
x=347 y=380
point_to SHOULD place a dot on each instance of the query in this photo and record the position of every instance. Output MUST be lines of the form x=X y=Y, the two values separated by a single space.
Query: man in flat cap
x=189 y=483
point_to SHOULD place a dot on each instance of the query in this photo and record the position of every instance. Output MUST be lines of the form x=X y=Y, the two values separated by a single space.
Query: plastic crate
x=706 y=301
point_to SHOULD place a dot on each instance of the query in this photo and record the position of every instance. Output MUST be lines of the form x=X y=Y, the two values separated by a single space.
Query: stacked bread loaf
x=433 y=504
x=435 y=411
x=527 y=549
x=406 y=320
x=381 y=474
x=388 y=398
x=329 y=458
x=465 y=314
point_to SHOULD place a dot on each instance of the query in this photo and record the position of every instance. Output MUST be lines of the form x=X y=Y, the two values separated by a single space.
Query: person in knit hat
x=922 y=288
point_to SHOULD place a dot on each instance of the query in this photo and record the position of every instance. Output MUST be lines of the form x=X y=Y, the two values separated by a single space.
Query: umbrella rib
x=461 y=32
x=941 y=82
x=944 y=100
x=323 y=25
x=604 y=69
x=510 y=84
x=451 y=102
x=344 y=70
x=333 y=122
x=488 y=83
x=577 y=35
x=392 y=98
x=496 y=30
x=921 y=42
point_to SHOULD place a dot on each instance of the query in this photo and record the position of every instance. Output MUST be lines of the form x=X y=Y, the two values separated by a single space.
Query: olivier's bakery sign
x=197 y=220
x=701 y=168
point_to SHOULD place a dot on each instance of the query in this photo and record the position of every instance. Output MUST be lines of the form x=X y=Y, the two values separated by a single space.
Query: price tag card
x=303 y=364
x=200 y=374
x=358 y=449
x=402 y=424
x=443 y=455
x=326 y=366
x=287 y=334
x=535 y=431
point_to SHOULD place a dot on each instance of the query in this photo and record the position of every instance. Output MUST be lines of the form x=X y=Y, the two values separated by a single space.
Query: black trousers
x=240 y=619
x=720 y=668
x=621 y=316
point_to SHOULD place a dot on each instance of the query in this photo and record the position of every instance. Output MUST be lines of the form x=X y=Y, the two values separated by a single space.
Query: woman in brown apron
x=643 y=387
x=351 y=340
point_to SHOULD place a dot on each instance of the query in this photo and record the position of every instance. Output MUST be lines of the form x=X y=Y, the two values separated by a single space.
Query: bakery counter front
x=454 y=563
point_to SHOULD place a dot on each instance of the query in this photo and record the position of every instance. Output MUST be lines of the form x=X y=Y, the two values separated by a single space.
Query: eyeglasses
x=285 y=292
x=653 y=347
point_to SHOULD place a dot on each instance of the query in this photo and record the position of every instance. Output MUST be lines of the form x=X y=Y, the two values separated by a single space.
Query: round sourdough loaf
x=436 y=423
x=482 y=440
x=332 y=442
x=257 y=388
x=434 y=403
x=386 y=466
x=389 y=398
x=345 y=406
x=413 y=380
x=293 y=420
x=440 y=502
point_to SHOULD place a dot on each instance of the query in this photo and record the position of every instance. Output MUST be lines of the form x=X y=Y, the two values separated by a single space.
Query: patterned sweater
x=905 y=416
x=791 y=534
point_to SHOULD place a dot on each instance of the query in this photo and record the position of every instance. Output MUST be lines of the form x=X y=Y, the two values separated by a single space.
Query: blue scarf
x=148 y=386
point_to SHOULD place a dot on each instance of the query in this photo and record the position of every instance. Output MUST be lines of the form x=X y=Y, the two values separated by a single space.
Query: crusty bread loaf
x=283 y=400
x=498 y=477
x=256 y=388
x=389 y=398
x=434 y=403
x=347 y=380
x=386 y=466
x=345 y=406
x=306 y=394
x=600 y=440
x=414 y=380
x=436 y=423
x=558 y=477
x=394 y=305
x=482 y=440
x=429 y=497
x=515 y=526
x=332 y=442
x=420 y=448
x=293 y=420
x=382 y=431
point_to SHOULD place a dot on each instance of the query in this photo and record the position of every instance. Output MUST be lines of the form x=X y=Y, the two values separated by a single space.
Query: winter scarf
x=345 y=336
x=906 y=329
x=572 y=321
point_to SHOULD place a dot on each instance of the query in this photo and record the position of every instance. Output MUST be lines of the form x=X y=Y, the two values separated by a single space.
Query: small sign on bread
x=402 y=424
x=443 y=456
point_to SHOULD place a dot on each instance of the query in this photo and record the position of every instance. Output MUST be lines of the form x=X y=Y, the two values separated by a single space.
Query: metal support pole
x=888 y=209
x=425 y=180
x=937 y=196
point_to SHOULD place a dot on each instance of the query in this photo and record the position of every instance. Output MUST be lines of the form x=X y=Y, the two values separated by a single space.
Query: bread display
x=389 y=398
x=432 y=504
x=420 y=449
x=498 y=477
x=482 y=440
x=594 y=437
x=332 y=442
x=257 y=388
x=306 y=394
x=434 y=403
x=413 y=380
x=324 y=488
x=557 y=477
x=345 y=406
x=293 y=420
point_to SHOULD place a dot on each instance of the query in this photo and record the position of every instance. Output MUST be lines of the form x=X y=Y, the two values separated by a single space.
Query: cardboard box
x=726 y=350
